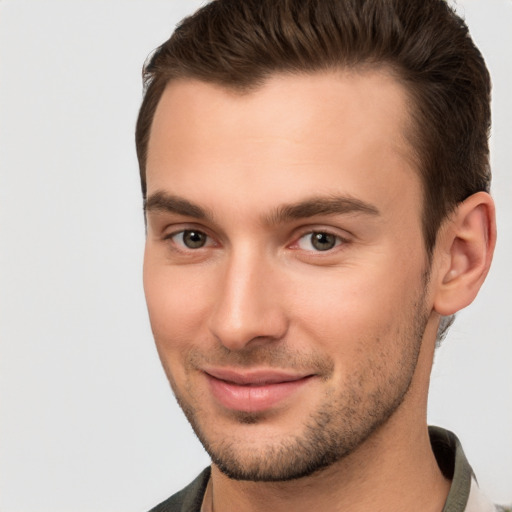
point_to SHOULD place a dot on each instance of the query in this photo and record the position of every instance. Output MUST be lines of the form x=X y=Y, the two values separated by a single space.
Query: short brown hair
x=240 y=43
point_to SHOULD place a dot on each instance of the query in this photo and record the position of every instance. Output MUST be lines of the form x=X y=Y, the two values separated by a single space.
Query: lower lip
x=253 y=398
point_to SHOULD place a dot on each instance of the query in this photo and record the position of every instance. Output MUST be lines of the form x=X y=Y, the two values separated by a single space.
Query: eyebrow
x=311 y=207
x=163 y=202
x=330 y=205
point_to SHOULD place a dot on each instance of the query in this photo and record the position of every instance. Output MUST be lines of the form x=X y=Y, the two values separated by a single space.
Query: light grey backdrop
x=87 y=421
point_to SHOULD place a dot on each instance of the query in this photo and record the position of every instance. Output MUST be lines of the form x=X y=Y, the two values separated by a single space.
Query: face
x=285 y=271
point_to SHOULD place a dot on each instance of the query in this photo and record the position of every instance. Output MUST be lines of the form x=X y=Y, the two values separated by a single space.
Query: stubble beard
x=334 y=430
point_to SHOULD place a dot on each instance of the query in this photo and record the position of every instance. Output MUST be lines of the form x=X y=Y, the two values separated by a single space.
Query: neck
x=394 y=469
x=372 y=478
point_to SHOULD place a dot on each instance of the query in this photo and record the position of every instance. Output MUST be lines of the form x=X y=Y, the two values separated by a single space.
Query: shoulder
x=464 y=495
x=189 y=499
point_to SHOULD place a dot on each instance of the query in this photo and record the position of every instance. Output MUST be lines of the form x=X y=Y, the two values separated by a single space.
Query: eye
x=318 y=241
x=190 y=239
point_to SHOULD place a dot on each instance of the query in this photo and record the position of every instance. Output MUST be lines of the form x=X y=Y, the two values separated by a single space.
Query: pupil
x=323 y=241
x=194 y=239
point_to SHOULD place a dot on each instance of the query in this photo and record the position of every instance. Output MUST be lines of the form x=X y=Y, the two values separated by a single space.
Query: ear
x=465 y=247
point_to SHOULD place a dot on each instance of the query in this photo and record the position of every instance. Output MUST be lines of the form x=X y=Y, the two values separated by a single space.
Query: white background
x=87 y=420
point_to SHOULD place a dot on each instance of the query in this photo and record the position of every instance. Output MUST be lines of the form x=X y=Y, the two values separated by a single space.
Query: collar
x=464 y=494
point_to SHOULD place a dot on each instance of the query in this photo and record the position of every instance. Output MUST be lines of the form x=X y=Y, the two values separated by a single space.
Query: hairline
x=411 y=128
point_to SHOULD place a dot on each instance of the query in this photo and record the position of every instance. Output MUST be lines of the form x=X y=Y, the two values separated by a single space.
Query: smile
x=253 y=391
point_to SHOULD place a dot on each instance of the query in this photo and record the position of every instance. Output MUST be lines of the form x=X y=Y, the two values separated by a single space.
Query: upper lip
x=254 y=377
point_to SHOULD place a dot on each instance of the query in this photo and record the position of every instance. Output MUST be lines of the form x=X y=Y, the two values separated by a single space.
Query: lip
x=253 y=390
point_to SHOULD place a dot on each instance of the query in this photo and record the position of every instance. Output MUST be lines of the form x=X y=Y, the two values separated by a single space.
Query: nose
x=249 y=309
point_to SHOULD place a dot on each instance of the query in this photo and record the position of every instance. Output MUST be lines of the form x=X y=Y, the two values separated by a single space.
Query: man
x=315 y=178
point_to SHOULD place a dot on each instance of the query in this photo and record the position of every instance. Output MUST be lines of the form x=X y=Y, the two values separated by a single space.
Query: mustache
x=268 y=356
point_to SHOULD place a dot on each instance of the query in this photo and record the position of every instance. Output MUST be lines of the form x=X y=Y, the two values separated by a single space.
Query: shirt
x=464 y=494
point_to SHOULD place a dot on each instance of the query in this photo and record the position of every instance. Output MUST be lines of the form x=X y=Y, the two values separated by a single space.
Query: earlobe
x=466 y=244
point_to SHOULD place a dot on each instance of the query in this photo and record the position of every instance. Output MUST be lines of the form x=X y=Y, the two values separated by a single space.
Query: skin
x=241 y=179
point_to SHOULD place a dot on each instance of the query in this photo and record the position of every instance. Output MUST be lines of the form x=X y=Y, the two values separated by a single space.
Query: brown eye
x=191 y=239
x=319 y=241
x=323 y=241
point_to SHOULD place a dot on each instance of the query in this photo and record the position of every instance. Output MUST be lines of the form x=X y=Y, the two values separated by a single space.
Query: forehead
x=322 y=133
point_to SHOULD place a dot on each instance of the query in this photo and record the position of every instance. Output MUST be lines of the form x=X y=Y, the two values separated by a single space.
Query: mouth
x=254 y=390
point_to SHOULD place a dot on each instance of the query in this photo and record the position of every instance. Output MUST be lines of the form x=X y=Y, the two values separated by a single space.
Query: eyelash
x=338 y=240
x=335 y=238
x=181 y=246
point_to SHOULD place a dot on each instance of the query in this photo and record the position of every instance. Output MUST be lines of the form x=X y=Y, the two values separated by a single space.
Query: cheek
x=176 y=302
x=356 y=309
